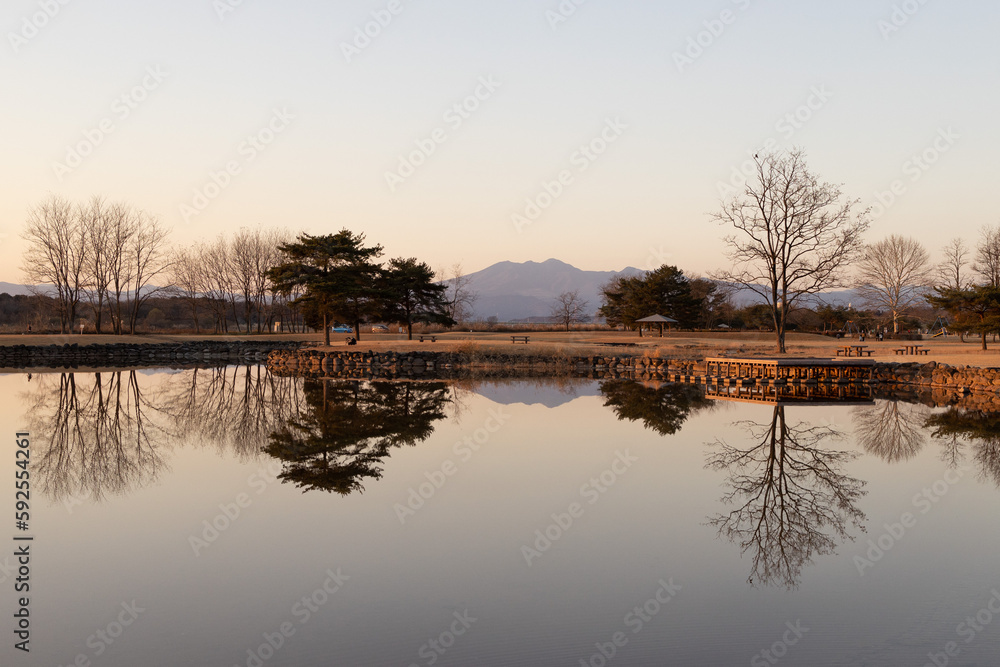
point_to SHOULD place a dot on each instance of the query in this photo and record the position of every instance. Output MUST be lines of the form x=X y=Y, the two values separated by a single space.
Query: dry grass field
x=948 y=350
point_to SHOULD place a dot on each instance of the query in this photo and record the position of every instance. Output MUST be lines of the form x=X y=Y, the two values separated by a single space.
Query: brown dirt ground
x=948 y=350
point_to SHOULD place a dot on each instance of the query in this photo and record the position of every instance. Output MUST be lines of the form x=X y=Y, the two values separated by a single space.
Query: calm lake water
x=228 y=517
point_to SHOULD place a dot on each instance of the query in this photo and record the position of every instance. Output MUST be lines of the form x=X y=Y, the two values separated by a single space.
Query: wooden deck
x=791 y=369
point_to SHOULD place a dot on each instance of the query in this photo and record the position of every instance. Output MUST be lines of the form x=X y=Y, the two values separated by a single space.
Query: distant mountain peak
x=519 y=290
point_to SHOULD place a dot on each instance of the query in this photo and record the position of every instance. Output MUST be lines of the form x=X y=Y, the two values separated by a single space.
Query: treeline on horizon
x=112 y=269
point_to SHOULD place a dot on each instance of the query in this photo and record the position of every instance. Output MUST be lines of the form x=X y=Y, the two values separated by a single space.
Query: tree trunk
x=326 y=330
x=409 y=329
x=984 y=339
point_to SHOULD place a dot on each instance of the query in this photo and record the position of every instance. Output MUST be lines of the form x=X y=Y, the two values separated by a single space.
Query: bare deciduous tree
x=951 y=271
x=98 y=269
x=460 y=297
x=57 y=254
x=794 y=235
x=893 y=274
x=147 y=250
x=988 y=256
x=187 y=278
x=569 y=309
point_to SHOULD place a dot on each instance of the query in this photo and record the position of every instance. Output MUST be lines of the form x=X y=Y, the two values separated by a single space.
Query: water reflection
x=349 y=427
x=791 y=498
x=662 y=408
x=891 y=430
x=980 y=428
x=97 y=435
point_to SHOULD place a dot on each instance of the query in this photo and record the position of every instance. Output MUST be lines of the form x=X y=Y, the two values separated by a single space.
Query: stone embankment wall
x=958 y=380
x=132 y=354
x=443 y=364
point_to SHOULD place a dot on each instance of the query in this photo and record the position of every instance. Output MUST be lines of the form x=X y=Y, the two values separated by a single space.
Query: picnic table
x=519 y=339
x=432 y=338
x=855 y=351
x=912 y=349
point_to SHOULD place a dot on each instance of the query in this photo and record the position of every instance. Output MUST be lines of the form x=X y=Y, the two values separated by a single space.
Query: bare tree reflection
x=96 y=435
x=792 y=499
x=234 y=408
x=660 y=408
x=955 y=426
x=349 y=427
x=891 y=430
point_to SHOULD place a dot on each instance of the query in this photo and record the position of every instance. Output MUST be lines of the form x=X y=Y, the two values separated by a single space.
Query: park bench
x=433 y=339
x=519 y=339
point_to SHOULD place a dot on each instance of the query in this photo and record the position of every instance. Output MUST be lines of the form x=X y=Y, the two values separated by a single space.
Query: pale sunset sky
x=217 y=114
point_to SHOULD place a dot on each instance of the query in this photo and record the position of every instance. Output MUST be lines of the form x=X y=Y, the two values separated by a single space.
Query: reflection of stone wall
x=131 y=354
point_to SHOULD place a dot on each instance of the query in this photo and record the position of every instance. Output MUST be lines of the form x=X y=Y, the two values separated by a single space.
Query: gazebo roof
x=656 y=319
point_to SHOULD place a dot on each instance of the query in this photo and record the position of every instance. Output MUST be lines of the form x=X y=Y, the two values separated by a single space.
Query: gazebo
x=655 y=319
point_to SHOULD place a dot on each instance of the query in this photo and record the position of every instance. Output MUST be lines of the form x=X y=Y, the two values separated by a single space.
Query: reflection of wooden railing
x=794 y=394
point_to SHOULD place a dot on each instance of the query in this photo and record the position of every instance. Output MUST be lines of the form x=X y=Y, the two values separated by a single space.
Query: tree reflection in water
x=660 y=408
x=980 y=428
x=891 y=430
x=233 y=408
x=104 y=434
x=792 y=499
x=349 y=427
x=95 y=435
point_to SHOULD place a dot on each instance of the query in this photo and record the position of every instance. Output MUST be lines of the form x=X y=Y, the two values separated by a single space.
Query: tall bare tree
x=217 y=284
x=988 y=256
x=460 y=296
x=568 y=308
x=794 y=235
x=93 y=217
x=121 y=224
x=147 y=254
x=187 y=278
x=951 y=271
x=57 y=254
x=893 y=275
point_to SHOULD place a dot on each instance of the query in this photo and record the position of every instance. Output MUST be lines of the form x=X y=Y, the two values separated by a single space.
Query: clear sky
x=331 y=114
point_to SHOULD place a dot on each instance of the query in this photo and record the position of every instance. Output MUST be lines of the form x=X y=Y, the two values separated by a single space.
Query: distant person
x=29 y=329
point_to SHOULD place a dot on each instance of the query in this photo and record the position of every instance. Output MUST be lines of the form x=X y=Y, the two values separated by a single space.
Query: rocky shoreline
x=391 y=365
x=138 y=354
x=294 y=358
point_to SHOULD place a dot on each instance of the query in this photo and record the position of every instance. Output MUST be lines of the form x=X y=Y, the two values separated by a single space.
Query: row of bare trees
x=100 y=254
x=107 y=259
x=228 y=277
